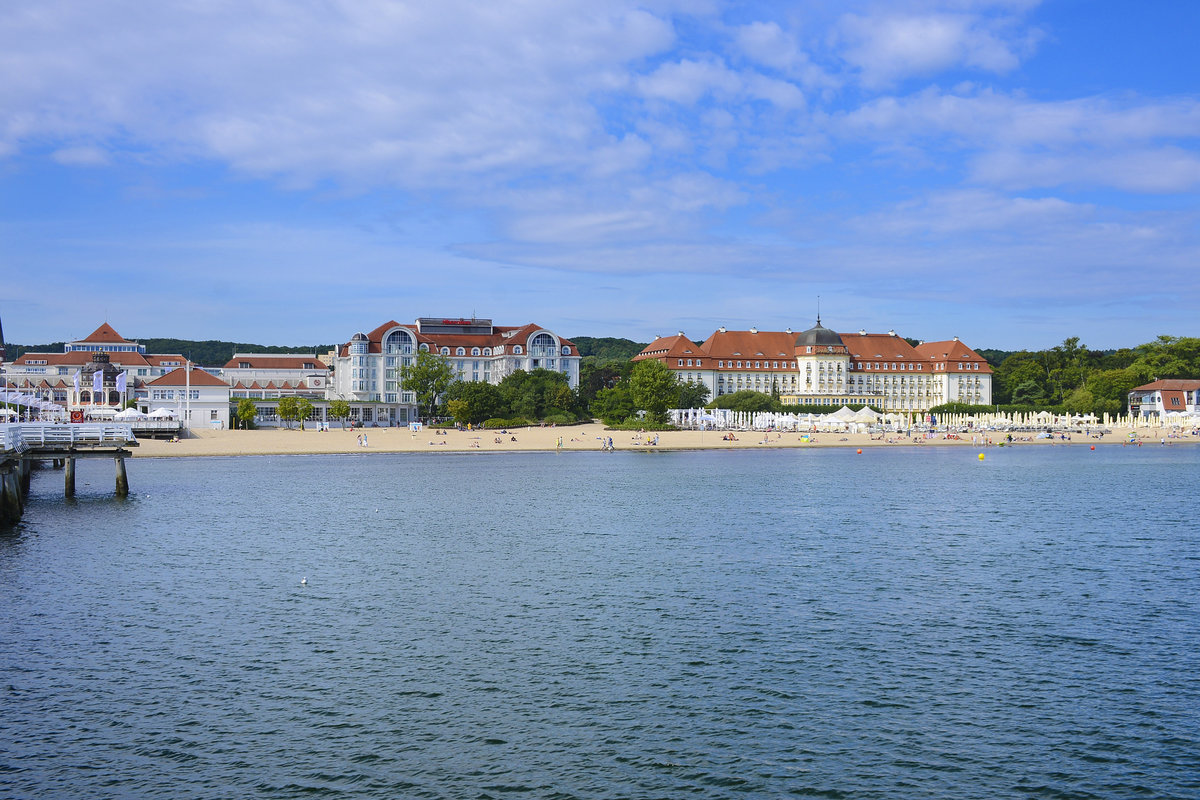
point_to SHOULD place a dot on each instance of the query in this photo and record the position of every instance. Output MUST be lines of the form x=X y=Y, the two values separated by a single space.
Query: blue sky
x=1012 y=173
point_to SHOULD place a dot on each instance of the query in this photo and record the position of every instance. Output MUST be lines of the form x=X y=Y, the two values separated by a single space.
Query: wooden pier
x=23 y=444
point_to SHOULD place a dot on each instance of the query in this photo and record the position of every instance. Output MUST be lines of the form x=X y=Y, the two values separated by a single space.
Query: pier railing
x=17 y=438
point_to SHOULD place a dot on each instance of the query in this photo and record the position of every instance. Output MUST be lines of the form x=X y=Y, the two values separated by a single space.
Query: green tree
x=246 y=412
x=692 y=394
x=1079 y=401
x=746 y=400
x=304 y=409
x=536 y=393
x=653 y=388
x=339 y=410
x=613 y=406
x=289 y=410
x=427 y=377
x=476 y=401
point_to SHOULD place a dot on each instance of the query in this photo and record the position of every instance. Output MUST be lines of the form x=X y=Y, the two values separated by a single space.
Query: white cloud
x=887 y=47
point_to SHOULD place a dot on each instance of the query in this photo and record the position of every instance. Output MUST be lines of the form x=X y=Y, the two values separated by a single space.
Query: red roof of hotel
x=501 y=335
x=105 y=334
x=749 y=344
x=274 y=361
x=179 y=377
x=669 y=346
x=882 y=346
x=953 y=350
x=1173 y=400
x=1177 y=384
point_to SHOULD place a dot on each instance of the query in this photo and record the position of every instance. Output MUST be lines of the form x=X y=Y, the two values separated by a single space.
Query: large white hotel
x=822 y=367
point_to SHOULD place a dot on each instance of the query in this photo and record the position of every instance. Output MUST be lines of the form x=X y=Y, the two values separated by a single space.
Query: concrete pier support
x=25 y=470
x=69 y=482
x=11 y=504
x=122 y=478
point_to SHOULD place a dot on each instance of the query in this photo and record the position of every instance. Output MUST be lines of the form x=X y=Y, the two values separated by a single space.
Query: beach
x=579 y=437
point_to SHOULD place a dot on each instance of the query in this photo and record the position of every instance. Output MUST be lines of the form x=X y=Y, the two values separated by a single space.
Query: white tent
x=130 y=413
x=865 y=414
x=161 y=413
x=843 y=414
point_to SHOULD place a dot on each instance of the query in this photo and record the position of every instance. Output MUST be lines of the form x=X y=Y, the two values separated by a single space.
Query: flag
x=122 y=382
x=98 y=381
x=77 y=374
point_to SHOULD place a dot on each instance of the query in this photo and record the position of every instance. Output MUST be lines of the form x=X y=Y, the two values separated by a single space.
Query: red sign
x=456 y=322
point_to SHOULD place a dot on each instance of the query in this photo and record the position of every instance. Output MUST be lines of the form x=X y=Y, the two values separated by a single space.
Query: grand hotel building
x=366 y=369
x=822 y=367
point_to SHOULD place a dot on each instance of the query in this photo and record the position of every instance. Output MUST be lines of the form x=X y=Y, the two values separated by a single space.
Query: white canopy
x=130 y=413
x=843 y=414
x=865 y=414
x=161 y=413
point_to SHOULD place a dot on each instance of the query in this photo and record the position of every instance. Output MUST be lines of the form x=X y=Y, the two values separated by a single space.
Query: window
x=243 y=364
x=474 y=351
x=462 y=351
x=566 y=351
x=445 y=351
x=681 y=362
x=517 y=349
x=487 y=351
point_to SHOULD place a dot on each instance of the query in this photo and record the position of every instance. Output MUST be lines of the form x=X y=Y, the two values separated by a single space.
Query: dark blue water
x=901 y=624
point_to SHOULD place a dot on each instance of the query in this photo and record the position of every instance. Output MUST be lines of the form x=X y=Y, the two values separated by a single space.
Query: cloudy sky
x=289 y=172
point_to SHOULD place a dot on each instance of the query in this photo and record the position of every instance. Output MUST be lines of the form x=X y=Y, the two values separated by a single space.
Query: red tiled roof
x=879 y=346
x=272 y=361
x=747 y=344
x=501 y=335
x=1173 y=400
x=952 y=351
x=179 y=377
x=1178 y=384
x=106 y=335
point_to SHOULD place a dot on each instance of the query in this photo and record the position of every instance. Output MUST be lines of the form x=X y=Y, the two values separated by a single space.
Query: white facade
x=366 y=370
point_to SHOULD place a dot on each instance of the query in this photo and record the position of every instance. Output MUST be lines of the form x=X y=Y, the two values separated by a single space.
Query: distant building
x=51 y=376
x=1164 y=396
x=261 y=376
x=199 y=399
x=822 y=367
x=366 y=369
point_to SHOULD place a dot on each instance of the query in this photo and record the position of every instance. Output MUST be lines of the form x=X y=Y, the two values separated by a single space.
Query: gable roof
x=1176 y=384
x=105 y=334
x=750 y=344
x=953 y=350
x=179 y=377
x=669 y=347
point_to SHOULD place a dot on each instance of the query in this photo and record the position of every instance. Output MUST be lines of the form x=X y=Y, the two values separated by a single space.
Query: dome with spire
x=819 y=335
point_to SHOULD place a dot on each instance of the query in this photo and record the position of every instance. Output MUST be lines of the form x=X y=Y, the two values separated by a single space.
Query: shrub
x=561 y=419
x=640 y=425
x=497 y=422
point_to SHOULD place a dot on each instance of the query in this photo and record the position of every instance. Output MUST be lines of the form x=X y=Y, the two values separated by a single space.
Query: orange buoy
x=1093 y=447
x=860 y=451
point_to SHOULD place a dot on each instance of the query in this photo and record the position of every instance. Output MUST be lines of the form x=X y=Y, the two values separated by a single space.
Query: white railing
x=20 y=437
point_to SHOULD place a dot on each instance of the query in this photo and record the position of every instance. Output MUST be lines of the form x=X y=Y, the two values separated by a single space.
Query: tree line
x=1075 y=379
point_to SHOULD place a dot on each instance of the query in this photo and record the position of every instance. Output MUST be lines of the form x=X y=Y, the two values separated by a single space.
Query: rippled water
x=901 y=624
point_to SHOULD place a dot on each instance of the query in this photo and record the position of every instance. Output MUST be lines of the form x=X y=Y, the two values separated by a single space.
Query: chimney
x=753 y=329
x=789 y=330
x=862 y=331
x=721 y=329
x=891 y=333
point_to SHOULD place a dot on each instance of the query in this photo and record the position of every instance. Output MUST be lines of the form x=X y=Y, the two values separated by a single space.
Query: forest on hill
x=209 y=353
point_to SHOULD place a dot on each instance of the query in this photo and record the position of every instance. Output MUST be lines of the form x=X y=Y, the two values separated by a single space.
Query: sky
x=1013 y=173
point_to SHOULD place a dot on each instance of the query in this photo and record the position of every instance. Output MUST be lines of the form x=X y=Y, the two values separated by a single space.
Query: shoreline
x=575 y=438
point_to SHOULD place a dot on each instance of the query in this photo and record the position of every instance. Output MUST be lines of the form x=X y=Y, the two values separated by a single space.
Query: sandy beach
x=576 y=437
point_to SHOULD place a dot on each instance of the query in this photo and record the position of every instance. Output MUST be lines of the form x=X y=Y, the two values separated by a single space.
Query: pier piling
x=122 y=477
x=69 y=482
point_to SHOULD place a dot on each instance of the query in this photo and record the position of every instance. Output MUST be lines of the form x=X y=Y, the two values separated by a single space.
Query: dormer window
x=474 y=351
x=566 y=351
x=517 y=349
x=462 y=351
x=445 y=351
x=243 y=365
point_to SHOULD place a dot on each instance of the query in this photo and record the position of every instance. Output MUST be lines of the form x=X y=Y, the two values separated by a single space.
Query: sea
x=904 y=623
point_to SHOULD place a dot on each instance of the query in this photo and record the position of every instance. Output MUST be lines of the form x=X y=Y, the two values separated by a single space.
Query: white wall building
x=366 y=369
x=822 y=367
x=199 y=399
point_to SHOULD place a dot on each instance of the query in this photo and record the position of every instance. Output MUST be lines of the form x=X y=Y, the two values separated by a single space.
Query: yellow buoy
x=981 y=456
